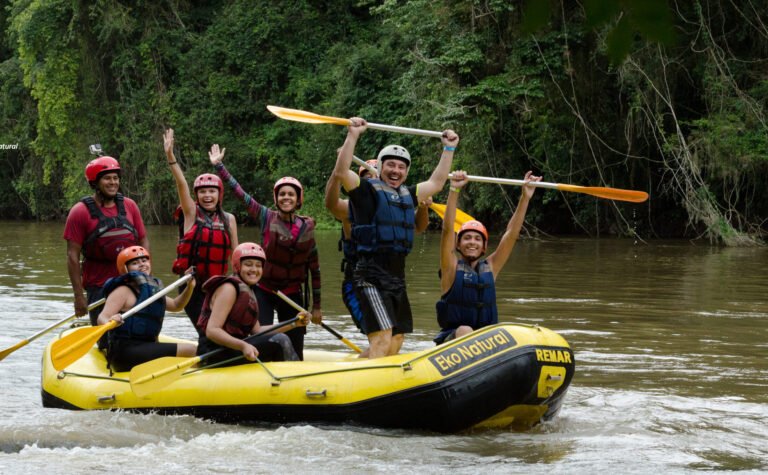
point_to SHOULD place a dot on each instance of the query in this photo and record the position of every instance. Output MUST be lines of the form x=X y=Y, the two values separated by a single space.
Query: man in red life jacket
x=100 y=226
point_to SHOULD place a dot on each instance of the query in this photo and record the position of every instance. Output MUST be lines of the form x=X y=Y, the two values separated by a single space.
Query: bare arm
x=176 y=304
x=188 y=205
x=508 y=240
x=232 y=230
x=75 y=277
x=119 y=300
x=349 y=179
x=422 y=215
x=448 y=260
x=436 y=181
x=333 y=201
x=222 y=301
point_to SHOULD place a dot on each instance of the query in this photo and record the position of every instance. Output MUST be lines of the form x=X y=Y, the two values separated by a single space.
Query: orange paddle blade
x=306 y=117
x=608 y=193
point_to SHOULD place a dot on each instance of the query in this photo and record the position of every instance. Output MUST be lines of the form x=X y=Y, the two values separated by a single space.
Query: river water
x=670 y=339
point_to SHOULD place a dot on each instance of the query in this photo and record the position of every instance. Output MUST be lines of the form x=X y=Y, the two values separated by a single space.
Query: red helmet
x=296 y=184
x=127 y=255
x=247 y=250
x=476 y=226
x=100 y=166
x=373 y=163
x=209 y=180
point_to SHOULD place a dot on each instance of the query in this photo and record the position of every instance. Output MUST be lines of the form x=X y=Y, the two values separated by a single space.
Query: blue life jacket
x=146 y=324
x=471 y=299
x=393 y=224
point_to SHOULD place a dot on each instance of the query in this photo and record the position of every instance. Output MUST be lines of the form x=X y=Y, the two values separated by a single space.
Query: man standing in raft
x=288 y=239
x=207 y=233
x=100 y=226
x=467 y=283
x=384 y=214
x=341 y=210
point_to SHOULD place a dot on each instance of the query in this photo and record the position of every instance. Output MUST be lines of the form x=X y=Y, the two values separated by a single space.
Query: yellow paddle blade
x=73 y=346
x=461 y=216
x=10 y=350
x=304 y=116
x=608 y=193
x=154 y=375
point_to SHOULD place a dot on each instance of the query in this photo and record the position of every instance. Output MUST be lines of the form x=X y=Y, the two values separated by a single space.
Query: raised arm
x=176 y=304
x=188 y=205
x=448 y=258
x=508 y=240
x=437 y=180
x=349 y=179
x=255 y=209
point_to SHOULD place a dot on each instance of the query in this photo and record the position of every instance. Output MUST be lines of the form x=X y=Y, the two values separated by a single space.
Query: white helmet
x=393 y=151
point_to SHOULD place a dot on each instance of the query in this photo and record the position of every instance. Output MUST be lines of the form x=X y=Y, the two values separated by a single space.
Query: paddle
x=312 y=118
x=26 y=341
x=461 y=216
x=154 y=375
x=329 y=329
x=73 y=346
x=601 y=192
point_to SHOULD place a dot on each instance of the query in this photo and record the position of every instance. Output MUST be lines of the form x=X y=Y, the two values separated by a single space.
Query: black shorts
x=125 y=354
x=383 y=299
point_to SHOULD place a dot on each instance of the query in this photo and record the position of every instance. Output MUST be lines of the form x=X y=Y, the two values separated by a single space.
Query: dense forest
x=583 y=97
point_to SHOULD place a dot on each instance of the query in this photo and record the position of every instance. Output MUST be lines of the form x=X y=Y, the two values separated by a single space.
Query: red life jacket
x=287 y=258
x=242 y=316
x=207 y=245
x=111 y=235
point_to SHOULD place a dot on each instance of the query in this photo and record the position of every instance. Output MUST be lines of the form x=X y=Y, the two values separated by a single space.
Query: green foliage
x=534 y=85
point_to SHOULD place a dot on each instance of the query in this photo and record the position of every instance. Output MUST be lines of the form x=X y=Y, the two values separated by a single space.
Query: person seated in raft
x=135 y=340
x=467 y=282
x=341 y=210
x=231 y=313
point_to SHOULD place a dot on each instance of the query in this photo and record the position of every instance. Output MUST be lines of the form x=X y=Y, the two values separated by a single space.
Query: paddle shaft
x=365 y=165
x=329 y=329
x=312 y=118
x=37 y=335
x=601 y=192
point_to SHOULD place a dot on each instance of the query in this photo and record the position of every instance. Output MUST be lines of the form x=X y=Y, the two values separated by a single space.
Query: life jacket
x=111 y=235
x=207 y=245
x=287 y=257
x=471 y=300
x=144 y=325
x=393 y=224
x=244 y=312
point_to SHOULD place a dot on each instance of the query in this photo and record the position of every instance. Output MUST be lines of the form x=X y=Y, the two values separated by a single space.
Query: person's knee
x=463 y=330
x=186 y=349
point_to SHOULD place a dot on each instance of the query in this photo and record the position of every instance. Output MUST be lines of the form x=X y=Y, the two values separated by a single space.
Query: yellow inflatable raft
x=500 y=376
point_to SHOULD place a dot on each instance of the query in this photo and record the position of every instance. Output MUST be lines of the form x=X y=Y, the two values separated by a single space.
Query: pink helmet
x=289 y=180
x=476 y=226
x=247 y=250
x=209 y=180
x=100 y=166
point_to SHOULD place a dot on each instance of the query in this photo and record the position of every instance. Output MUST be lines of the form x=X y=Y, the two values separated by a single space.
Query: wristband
x=449 y=149
x=455 y=190
x=172 y=163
